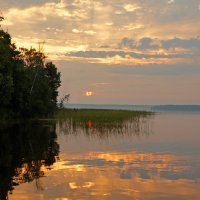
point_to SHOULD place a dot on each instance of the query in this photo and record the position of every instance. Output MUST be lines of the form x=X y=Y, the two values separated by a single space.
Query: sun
x=89 y=93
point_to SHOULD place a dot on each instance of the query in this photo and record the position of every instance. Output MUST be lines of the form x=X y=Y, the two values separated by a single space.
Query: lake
x=154 y=157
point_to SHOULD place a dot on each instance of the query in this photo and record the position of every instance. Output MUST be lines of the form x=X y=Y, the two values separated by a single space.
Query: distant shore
x=183 y=108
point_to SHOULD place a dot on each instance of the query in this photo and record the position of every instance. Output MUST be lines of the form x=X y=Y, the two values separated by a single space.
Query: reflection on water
x=145 y=157
x=129 y=175
x=26 y=149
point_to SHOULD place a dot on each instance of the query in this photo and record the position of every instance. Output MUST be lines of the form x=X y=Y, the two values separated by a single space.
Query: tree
x=64 y=99
x=28 y=85
x=7 y=62
x=44 y=81
x=54 y=81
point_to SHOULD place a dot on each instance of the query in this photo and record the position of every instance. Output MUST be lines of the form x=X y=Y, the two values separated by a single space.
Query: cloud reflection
x=125 y=175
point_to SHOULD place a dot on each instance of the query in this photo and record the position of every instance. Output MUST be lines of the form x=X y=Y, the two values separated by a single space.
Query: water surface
x=148 y=157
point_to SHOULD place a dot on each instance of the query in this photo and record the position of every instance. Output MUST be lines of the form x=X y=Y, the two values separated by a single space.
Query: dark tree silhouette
x=28 y=85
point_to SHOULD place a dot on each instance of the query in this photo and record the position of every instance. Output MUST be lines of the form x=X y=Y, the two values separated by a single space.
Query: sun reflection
x=89 y=124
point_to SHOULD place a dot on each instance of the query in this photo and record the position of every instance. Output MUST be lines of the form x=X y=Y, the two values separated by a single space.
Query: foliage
x=28 y=85
x=7 y=52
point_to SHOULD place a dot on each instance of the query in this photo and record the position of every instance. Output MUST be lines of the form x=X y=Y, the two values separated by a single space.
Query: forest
x=28 y=84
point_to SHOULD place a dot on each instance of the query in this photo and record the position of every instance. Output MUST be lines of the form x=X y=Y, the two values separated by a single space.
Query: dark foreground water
x=146 y=158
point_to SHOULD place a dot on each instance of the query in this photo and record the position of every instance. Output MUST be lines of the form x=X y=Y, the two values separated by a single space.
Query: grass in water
x=98 y=115
x=101 y=122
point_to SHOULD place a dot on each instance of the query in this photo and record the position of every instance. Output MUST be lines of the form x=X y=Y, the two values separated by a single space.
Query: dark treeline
x=28 y=85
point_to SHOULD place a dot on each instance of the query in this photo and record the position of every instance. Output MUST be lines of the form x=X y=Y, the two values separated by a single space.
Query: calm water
x=146 y=158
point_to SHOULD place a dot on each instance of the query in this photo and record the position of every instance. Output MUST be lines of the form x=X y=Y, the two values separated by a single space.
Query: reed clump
x=100 y=115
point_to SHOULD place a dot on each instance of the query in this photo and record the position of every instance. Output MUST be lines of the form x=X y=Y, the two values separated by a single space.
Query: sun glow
x=89 y=93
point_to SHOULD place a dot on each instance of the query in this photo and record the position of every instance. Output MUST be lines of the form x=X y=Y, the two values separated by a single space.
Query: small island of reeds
x=102 y=121
x=100 y=115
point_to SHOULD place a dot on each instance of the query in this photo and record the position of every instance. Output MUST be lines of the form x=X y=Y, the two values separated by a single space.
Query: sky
x=116 y=51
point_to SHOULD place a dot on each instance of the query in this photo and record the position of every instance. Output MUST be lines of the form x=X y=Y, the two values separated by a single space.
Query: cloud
x=127 y=43
x=192 y=43
x=131 y=58
x=147 y=43
x=109 y=23
x=97 y=54
x=76 y=30
x=37 y=13
x=131 y=7
x=123 y=54
x=131 y=27
x=88 y=32
x=143 y=32
x=101 y=84
x=171 y=1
